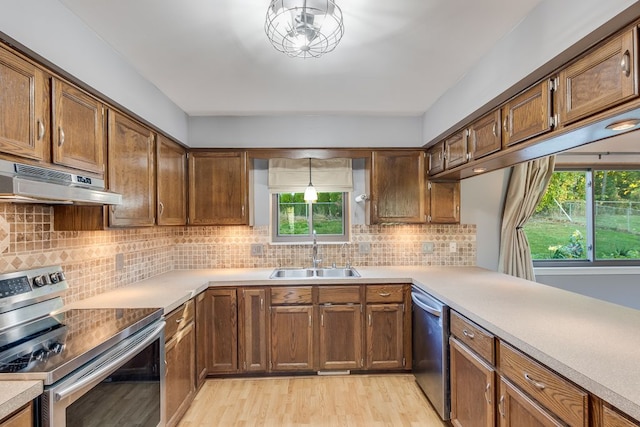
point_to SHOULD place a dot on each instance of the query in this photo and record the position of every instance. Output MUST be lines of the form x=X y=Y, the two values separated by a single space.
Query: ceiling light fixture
x=310 y=194
x=304 y=28
x=624 y=125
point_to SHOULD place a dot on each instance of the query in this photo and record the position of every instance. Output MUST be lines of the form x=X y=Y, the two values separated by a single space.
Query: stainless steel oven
x=100 y=367
x=431 y=349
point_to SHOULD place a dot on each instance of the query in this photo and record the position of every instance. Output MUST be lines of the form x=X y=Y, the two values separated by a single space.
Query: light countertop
x=15 y=394
x=593 y=343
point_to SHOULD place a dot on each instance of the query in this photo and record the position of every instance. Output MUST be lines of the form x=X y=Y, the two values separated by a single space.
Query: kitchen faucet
x=314 y=251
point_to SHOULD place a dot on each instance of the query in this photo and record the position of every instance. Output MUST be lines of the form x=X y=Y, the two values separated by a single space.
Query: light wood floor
x=349 y=400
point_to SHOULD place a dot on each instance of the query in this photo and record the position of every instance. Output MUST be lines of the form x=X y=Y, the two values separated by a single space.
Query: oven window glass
x=129 y=397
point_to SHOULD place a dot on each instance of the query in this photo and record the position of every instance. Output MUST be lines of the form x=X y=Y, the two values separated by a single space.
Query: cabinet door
x=456 y=150
x=527 y=115
x=398 y=187
x=254 y=328
x=24 y=104
x=600 y=79
x=485 y=136
x=292 y=338
x=222 y=328
x=340 y=343
x=21 y=418
x=201 y=338
x=384 y=336
x=472 y=388
x=179 y=373
x=435 y=157
x=131 y=172
x=444 y=202
x=218 y=193
x=611 y=418
x=78 y=128
x=518 y=410
x=171 y=182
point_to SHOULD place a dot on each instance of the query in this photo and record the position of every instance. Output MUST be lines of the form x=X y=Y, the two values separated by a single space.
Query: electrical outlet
x=427 y=247
x=364 y=247
x=119 y=262
x=256 y=249
x=453 y=246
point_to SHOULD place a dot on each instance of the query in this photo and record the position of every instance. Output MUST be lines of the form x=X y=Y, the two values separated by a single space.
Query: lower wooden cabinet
x=385 y=336
x=23 y=417
x=611 y=418
x=222 y=331
x=180 y=361
x=472 y=388
x=519 y=410
x=201 y=338
x=340 y=344
x=253 y=330
x=292 y=338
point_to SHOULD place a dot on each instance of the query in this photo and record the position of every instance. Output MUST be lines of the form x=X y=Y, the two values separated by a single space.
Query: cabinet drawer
x=338 y=294
x=178 y=319
x=611 y=418
x=564 y=399
x=291 y=295
x=476 y=338
x=385 y=293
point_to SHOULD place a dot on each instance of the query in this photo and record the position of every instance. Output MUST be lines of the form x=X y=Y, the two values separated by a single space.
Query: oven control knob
x=54 y=278
x=40 y=281
x=40 y=355
x=57 y=347
x=61 y=277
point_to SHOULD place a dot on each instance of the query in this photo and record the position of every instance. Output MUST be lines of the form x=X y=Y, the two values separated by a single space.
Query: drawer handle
x=625 y=64
x=468 y=334
x=536 y=384
x=486 y=396
x=384 y=294
x=501 y=406
x=179 y=319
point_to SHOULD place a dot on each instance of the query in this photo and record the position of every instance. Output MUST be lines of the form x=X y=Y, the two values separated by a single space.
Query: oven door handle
x=423 y=305
x=110 y=364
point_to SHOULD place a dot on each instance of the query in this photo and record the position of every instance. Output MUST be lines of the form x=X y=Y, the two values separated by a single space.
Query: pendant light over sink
x=304 y=28
x=310 y=194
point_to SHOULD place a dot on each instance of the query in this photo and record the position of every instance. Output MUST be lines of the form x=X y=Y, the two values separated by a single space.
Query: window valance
x=327 y=175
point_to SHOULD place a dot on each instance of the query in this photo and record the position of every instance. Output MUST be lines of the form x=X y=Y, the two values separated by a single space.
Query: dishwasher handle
x=420 y=302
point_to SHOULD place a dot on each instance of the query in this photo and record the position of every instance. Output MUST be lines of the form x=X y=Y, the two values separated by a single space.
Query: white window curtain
x=527 y=186
x=327 y=175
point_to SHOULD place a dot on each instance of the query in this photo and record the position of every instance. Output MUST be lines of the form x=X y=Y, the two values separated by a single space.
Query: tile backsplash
x=27 y=240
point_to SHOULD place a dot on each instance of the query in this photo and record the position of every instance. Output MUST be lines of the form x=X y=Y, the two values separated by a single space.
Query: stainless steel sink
x=301 y=273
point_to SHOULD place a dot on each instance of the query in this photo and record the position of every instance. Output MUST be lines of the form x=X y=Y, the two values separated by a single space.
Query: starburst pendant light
x=310 y=194
x=304 y=28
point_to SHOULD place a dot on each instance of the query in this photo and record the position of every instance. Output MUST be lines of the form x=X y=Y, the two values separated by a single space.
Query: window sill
x=576 y=271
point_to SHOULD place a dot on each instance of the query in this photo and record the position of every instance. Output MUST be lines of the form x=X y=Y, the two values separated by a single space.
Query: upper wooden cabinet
x=527 y=115
x=456 y=152
x=171 y=182
x=131 y=172
x=24 y=107
x=218 y=191
x=397 y=187
x=435 y=158
x=602 y=78
x=485 y=136
x=78 y=129
x=443 y=202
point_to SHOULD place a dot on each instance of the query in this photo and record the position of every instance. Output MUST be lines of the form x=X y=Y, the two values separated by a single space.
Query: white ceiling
x=212 y=57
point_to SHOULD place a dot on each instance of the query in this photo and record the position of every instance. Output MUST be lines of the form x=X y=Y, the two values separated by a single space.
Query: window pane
x=293 y=215
x=327 y=214
x=558 y=228
x=617 y=214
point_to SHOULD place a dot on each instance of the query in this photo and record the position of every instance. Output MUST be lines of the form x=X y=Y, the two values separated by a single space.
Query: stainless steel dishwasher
x=431 y=349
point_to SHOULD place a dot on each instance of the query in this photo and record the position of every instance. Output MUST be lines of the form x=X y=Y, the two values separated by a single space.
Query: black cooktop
x=69 y=339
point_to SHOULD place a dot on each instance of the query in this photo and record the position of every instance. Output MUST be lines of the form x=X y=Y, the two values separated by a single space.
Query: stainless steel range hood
x=32 y=184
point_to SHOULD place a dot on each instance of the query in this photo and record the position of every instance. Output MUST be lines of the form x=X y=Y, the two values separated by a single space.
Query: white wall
x=552 y=27
x=304 y=131
x=482 y=201
x=50 y=30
